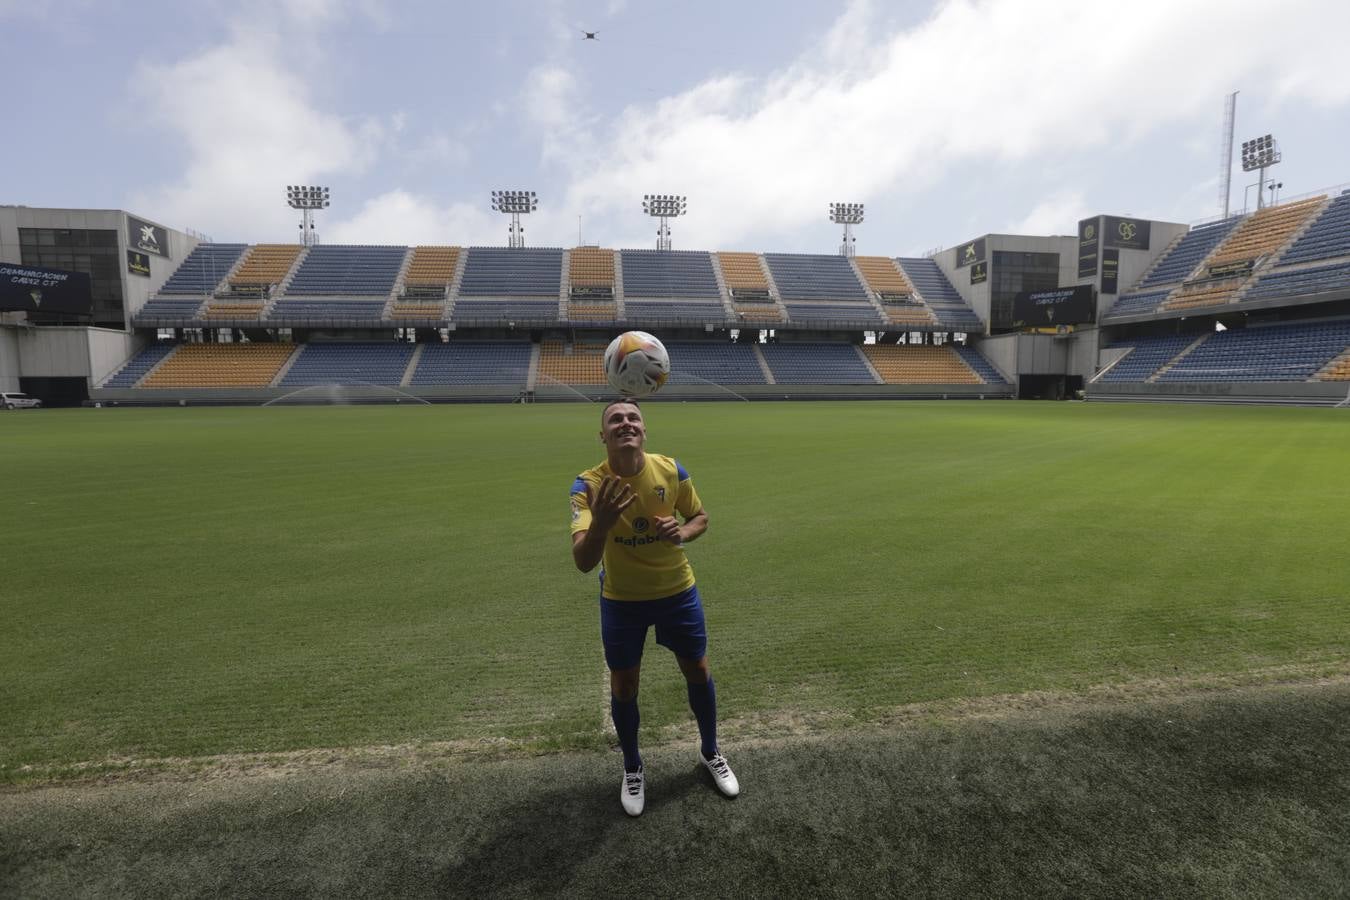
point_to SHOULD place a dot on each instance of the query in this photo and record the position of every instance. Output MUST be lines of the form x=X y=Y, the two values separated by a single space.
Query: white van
x=19 y=401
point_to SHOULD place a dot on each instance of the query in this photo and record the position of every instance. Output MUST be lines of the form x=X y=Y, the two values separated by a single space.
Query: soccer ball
x=636 y=364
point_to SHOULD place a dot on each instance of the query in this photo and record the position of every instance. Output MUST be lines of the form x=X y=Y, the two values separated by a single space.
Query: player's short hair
x=605 y=412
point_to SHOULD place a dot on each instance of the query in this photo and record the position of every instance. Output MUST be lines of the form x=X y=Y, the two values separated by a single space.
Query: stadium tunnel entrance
x=1048 y=387
x=56 y=391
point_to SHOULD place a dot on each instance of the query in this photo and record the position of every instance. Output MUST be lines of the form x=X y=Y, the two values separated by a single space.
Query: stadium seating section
x=169 y=308
x=495 y=312
x=1294 y=352
x=1327 y=238
x=220 y=366
x=802 y=276
x=138 y=365
x=816 y=363
x=937 y=292
x=980 y=365
x=700 y=362
x=1302 y=281
x=349 y=363
x=1139 y=303
x=512 y=272
x=742 y=274
x=204 y=269
x=591 y=270
x=265 y=265
x=581 y=362
x=336 y=270
x=473 y=363
x=902 y=364
x=319 y=310
x=672 y=313
x=1265 y=230
x=590 y=312
x=668 y=273
x=1174 y=265
x=1147 y=356
x=836 y=315
x=432 y=267
x=883 y=278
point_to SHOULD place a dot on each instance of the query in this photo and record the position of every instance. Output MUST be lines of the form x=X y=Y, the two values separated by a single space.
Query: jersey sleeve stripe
x=680 y=470
x=578 y=486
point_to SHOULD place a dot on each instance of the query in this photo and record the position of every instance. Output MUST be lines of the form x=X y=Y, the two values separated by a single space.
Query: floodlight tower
x=307 y=198
x=514 y=203
x=848 y=215
x=664 y=207
x=1259 y=154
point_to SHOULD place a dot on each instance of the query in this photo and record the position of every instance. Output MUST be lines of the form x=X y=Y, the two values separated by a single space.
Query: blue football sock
x=625 y=715
x=703 y=701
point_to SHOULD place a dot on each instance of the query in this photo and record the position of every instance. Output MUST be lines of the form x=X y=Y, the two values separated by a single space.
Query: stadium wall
x=1295 y=393
x=9 y=359
x=136 y=289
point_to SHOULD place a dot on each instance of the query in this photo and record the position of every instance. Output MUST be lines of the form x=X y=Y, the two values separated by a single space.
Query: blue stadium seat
x=203 y=269
x=1301 y=282
x=512 y=272
x=337 y=270
x=138 y=365
x=952 y=312
x=1292 y=352
x=344 y=363
x=805 y=276
x=698 y=362
x=982 y=367
x=1328 y=237
x=1148 y=356
x=668 y=273
x=1186 y=255
x=816 y=363
x=473 y=362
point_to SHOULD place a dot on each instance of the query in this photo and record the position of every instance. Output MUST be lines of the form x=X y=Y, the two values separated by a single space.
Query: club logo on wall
x=1089 y=231
x=36 y=297
x=1127 y=231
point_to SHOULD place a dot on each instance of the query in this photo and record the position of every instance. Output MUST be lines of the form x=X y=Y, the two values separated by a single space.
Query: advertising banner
x=970 y=253
x=147 y=238
x=979 y=272
x=1110 y=271
x=1088 y=242
x=1060 y=306
x=35 y=289
x=138 y=263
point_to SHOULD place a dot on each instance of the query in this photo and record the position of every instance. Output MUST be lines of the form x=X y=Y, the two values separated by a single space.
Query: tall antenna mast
x=1226 y=161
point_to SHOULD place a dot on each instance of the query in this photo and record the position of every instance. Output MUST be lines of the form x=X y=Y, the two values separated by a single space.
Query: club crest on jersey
x=661 y=492
x=576 y=512
x=640 y=525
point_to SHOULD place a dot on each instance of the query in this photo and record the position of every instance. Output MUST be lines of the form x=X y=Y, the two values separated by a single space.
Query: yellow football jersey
x=637 y=565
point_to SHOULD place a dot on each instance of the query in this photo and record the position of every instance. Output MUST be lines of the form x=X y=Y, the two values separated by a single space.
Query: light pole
x=1274 y=188
x=307 y=198
x=514 y=203
x=848 y=215
x=664 y=207
x=1258 y=154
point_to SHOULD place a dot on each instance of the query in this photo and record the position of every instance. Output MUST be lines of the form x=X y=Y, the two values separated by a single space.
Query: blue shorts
x=679 y=627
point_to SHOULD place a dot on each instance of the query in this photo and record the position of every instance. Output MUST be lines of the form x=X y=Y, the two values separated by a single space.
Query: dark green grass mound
x=1244 y=793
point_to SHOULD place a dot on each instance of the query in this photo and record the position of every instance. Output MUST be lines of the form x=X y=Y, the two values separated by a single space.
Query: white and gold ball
x=636 y=364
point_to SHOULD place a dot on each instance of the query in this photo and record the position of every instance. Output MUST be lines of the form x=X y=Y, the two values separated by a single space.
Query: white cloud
x=994 y=81
x=1053 y=215
x=400 y=217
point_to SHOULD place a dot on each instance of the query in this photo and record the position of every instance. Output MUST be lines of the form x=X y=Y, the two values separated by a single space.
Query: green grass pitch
x=187 y=582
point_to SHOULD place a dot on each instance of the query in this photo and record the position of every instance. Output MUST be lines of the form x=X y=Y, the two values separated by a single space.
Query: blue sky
x=947 y=119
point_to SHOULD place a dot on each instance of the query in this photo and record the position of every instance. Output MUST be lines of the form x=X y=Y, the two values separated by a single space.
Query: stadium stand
x=1265 y=230
x=980 y=365
x=883 y=278
x=1327 y=238
x=1136 y=304
x=937 y=292
x=319 y=311
x=838 y=315
x=591 y=274
x=473 y=362
x=590 y=312
x=1301 y=282
x=1149 y=354
x=803 y=276
x=673 y=313
x=432 y=268
x=501 y=312
x=1286 y=352
x=668 y=273
x=160 y=309
x=349 y=363
x=203 y=270
x=742 y=274
x=138 y=365
x=1182 y=259
x=917 y=364
x=1336 y=370
x=816 y=363
x=220 y=365
x=513 y=272
x=233 y=308
x=265 y=265
x=581 y=362
x=698 y=362
x=352 y=270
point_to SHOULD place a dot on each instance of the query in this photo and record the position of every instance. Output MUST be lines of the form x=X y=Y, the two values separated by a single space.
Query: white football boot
x=633 y=793
x=723 y=777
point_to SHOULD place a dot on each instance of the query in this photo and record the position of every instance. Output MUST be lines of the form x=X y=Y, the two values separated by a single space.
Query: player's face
x=623 y=428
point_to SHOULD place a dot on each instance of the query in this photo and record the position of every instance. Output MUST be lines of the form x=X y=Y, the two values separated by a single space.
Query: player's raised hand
x=668 y=529
x=611 y=499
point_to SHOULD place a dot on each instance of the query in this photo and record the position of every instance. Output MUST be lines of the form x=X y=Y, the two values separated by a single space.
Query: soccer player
x=624 y=515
